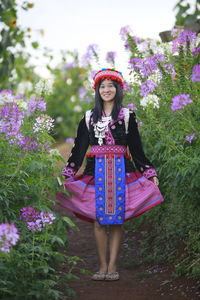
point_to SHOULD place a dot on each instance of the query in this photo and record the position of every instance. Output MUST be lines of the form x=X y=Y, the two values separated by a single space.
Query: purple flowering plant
x=30 y=238
x=168 y=73
x=165 y=81
x=35 y=220
x=8 y=237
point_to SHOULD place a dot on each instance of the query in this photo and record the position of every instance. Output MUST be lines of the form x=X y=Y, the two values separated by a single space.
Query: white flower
x=73 y=98
x=44 y=86
x=54 y=152
x=147 y=47
x=43 y=123
x=77 y=108
x=59 y=119
x=156 y=77
x=6 y=97
x=150 y=99
x=23 y=105
x=69 y=81
x=135 y=78
x=24 y=87
x=166 y=48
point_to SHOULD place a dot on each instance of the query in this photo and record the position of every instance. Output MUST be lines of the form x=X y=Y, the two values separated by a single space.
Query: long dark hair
x=98 y=107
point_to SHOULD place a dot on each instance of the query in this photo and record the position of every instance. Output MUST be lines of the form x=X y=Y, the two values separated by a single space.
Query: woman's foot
x=113 y=276
x=98 y=276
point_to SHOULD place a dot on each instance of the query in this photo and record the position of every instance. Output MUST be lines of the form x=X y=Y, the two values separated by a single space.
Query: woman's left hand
x=155 y=180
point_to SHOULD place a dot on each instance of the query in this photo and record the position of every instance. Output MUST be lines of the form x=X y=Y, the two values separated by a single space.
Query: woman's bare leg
x=100 y=233
x=115 y=240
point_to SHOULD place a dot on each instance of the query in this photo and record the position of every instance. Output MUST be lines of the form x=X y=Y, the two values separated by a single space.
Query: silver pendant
x=100 y=128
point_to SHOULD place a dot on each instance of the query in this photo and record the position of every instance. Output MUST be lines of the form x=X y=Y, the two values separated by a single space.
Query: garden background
x=37 y=114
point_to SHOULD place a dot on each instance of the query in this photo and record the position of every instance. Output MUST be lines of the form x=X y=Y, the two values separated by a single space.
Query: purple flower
x=88 y=100
x=8 y=236
x=158 y=58
x=11 y=121
x=147 y=87
x=93 y=48
x=46 y=217
x=127 y=87
x=196 y=51
x=36 y=104
x=69 y=65
x=135 y=39
x=148 y=66
x=195 y=73
x=92 y=73
x=180 y=101
x=11 y=111
x=3 y=92
x=169 y=68
x=184 y=37
x=140 y=124
x=19 y=97
x=110 y=57
x=92 y=51
x=82 y=92
x=10 y=128
x=36 y=221
x=28 y=214
x=28 y=144
x=131 y=106
x=189 y=138
x=69 y=140
x=124 y=31
x=35 y=225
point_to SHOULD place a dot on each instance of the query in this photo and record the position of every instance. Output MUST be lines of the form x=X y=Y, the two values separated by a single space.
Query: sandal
x=98 y=276
x=112 y=276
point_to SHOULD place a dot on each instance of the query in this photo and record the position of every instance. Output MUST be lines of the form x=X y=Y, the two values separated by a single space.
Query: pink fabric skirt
x=141 y=195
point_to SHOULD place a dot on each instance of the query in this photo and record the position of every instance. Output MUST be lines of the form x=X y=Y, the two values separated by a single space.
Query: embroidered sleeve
x=142 y=163
x=148 y=173
x=68 y=172
x=79 y=149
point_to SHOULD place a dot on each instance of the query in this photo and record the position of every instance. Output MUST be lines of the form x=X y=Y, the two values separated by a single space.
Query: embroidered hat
x=111 y=74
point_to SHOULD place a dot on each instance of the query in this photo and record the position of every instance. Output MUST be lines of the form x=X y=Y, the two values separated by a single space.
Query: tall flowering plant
x=30 y=232
x=165 y=81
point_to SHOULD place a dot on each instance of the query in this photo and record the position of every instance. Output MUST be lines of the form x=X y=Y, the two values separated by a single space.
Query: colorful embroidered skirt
x=111 y=196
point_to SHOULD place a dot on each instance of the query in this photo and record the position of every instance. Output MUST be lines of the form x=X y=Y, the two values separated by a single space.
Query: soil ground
x=137 y=282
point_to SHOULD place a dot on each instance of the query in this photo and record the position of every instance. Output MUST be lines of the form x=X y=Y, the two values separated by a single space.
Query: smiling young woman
x=114 y=186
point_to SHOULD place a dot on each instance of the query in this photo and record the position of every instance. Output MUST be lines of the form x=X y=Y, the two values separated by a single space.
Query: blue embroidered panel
x=110 y=189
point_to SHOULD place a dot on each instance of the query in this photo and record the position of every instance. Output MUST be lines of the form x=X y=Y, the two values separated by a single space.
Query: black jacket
x=86 y=138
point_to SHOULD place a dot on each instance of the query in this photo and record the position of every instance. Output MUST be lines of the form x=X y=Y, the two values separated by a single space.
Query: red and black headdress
x=111 y=74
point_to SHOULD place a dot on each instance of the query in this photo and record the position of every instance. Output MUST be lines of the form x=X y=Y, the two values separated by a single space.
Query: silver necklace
x=101 y=127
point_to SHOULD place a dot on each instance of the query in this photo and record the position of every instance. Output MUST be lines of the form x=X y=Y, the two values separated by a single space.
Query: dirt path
x=136 y=282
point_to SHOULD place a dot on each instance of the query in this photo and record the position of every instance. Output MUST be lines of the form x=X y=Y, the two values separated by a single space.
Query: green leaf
x=70 y=223
x=58 y=240
x=35 y=45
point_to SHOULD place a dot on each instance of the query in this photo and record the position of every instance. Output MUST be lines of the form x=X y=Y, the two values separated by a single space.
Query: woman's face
x=107 y=90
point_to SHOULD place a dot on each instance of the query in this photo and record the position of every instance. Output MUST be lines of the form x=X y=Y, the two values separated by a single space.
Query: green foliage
x=14 y=65
x=28 y=178
x=172 y=231
x=65 y=104
x=183 y=16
